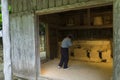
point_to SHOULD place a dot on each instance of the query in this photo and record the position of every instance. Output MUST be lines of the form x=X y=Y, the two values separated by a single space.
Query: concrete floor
x=78 y=70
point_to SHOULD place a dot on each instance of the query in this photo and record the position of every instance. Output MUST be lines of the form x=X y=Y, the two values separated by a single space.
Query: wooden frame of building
x=24 y=34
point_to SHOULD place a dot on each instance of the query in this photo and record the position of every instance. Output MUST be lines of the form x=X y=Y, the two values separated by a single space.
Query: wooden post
x=6 y=41
x=116 y=40
x=88 y=18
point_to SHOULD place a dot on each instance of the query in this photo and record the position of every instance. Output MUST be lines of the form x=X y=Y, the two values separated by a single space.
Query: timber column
x=116 y=39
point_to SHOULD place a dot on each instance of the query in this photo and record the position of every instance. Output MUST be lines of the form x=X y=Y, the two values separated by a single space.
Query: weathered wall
x=116 y=36
x=1 y=51
x=25 y=58
x=22 y=5
x=22 y=30
x=54 y=6
x=46 y=5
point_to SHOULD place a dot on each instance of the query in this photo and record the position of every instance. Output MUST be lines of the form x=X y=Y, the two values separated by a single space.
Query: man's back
x=66 y=43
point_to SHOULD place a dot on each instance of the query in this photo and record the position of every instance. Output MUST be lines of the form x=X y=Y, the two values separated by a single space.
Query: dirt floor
x=78 y=70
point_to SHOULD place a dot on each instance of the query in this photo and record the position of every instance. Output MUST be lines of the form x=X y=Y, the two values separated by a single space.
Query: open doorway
x=42 y=38
x=92 y=31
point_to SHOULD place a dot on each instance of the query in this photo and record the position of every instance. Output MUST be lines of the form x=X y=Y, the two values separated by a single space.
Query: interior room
x=91 y=52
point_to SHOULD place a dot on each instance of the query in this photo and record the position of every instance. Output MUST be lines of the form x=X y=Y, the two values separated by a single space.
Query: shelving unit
x=86 y=27
x=92 y=23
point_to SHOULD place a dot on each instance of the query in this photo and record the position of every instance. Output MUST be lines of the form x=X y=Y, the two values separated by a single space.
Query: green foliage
x=42 y=28
x=1 y=16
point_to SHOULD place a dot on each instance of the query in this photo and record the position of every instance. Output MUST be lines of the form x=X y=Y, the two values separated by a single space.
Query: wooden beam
x=75 y=6
x=6 y=41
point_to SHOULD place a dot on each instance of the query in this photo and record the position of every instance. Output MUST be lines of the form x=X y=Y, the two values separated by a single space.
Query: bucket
x=98 y=20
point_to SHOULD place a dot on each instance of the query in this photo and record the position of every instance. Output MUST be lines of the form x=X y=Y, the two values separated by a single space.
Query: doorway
x=92 y=30
x=42 y=38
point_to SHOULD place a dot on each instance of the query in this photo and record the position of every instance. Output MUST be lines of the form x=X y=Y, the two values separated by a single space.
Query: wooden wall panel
x=53 y=41
x=72 y=1
x=32 y=5
x=24 y=5
x=15 y=6
x=58 y=3
x=65 y=2
x=20 y=5
x=82 y=0
x=51 y=3
x=29 y=4
x=39 y=4
x=23 y=46
x=12 y=5
x=45 y=4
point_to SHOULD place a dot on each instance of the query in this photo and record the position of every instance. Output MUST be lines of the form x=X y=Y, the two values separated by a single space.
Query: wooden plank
x=51 y=3
x=37 y=46
x=24 y=2
x=45 y=4
x=11 y=4
x=77 y=6
x=30 y=5
x=65 y=2
x=12 y=31
x=72 y=1
x=82 y=0
x=15 y=5
x=88 y=17
x=53 y=44
x=20 y=6
x=23 y=46
x=58 y=3
x=39 y=4
x=47 y=41
x=77 y=20
x=34 y=3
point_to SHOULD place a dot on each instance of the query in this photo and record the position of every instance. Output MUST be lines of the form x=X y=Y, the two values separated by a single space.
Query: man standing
x=66 y=43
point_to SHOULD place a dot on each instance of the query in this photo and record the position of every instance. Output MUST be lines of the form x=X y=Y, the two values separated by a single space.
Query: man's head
x=70 y=36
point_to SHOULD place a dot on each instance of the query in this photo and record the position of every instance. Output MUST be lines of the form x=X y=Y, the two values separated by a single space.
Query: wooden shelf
x=83 y=24
x=85 y=27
